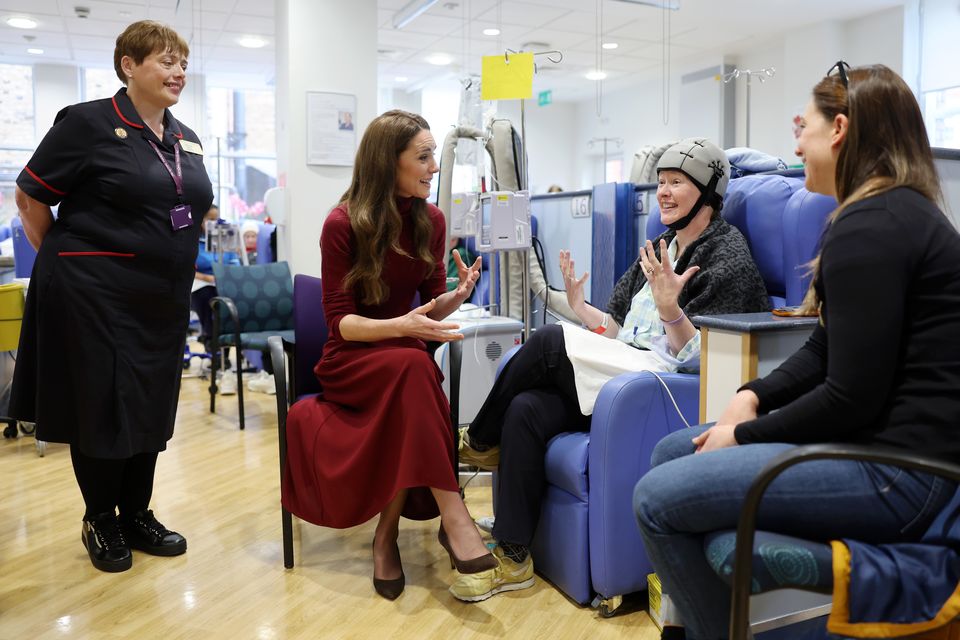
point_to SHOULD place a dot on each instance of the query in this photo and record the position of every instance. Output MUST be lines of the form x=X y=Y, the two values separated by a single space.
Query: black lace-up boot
x=145 y=533
x=104 y=540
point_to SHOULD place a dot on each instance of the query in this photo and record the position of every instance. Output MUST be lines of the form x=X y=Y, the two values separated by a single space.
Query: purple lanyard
x=178 y=176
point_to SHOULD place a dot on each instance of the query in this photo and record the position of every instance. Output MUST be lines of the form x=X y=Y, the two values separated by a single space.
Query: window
x=941 y=112
x=613 y=172
x=100 y=83
x=17 y=134
x=240 y=149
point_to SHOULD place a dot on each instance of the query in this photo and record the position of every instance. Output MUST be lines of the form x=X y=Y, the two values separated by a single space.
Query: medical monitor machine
x=464 y=215
x=223 y=237
x=504 y=221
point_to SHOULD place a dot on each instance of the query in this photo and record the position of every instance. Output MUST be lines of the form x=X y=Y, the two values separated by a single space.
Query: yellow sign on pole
x=507 y=78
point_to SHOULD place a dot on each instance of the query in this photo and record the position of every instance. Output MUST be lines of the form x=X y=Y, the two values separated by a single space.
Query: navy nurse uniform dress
x=383 y=421
x=108 y=304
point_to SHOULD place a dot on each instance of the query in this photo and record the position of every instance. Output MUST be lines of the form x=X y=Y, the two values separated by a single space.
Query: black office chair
x=253 y=303
x=746 y=566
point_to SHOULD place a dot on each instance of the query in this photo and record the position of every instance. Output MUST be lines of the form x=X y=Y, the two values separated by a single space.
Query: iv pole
x=556 y=57
x=761 y=75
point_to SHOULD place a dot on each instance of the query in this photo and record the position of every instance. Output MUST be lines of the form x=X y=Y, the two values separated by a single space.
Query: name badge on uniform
x=191 y=147
x=180 y=217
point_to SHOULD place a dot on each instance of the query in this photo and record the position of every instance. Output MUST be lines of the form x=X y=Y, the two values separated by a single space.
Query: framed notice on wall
x=331 y=134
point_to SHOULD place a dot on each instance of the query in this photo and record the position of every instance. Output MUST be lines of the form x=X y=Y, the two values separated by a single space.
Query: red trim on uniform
x=44 y=184
x=113 y=254
x=117 y=109
x=179 y=136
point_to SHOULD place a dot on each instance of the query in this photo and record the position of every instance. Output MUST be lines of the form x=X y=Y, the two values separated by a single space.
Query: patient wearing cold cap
x=248 y=231
x=706 y=165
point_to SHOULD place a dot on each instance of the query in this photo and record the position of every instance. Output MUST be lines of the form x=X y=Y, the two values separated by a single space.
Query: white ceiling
x=453 y=27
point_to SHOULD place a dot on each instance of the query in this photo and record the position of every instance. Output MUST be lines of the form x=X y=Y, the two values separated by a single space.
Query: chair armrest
x=234 y=317
x=743 y=563
x=276 y=346
x=456 y=367
x=632 y=414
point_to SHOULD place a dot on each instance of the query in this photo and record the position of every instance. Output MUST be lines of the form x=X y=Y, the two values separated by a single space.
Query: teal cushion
x=778 y=561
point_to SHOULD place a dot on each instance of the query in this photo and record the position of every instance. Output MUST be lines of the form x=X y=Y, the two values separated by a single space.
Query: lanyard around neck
x=178 y=176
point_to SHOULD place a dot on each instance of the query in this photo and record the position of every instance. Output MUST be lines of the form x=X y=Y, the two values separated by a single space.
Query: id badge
x=180 y=217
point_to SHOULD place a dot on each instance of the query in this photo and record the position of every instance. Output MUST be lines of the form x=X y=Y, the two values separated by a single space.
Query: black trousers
x=108 y=484
x=200 y=302
x=533 y=400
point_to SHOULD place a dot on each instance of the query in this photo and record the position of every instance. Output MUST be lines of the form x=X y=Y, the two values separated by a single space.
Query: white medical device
x=485 y=340
x=224 y=237
x=464 y=215
x=504 y=221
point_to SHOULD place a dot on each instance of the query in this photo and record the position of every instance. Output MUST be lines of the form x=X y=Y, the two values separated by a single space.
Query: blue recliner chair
x=23 y=252
x=587 y=542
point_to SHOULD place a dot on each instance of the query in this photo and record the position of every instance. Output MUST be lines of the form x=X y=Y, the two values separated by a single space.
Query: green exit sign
x=544 y=98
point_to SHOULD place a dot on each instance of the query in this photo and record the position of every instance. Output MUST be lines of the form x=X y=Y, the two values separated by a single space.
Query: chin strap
x=706 y=194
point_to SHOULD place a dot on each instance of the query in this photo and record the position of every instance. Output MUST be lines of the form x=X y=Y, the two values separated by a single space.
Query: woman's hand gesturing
x=665 y=284
x=416 y=324
x=573 y=286
x=468 y=275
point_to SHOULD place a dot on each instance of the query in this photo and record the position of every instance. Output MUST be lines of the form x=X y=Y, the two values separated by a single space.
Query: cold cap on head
x=701 y=160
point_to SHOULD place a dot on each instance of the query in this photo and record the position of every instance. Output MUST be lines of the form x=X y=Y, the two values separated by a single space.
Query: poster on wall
x=331 y=137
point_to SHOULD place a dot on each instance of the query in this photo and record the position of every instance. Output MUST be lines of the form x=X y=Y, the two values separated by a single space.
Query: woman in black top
x=883 y=366
x=109 y=298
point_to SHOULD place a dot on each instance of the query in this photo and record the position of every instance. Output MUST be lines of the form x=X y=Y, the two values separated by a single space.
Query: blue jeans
x=686 y=496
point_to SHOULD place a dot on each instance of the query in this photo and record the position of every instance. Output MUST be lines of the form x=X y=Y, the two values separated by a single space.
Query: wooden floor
x=219 y=487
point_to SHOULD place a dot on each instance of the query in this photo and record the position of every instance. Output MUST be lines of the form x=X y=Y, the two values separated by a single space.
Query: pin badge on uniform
x=121 y=133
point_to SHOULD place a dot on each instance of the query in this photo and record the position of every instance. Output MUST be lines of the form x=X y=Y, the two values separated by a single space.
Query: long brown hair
x=372 y=205
x=886 y=145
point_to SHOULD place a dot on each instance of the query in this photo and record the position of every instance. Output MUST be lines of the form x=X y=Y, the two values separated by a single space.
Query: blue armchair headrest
x=757 y=206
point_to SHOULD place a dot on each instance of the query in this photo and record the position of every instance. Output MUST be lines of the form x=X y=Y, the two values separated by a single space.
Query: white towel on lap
x=597 y=359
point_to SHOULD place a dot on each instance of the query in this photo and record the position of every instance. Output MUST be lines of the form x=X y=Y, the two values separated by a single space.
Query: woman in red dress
x=382 y=429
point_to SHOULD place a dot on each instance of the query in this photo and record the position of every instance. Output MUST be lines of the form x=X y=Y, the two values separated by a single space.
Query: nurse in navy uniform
x=109 y=298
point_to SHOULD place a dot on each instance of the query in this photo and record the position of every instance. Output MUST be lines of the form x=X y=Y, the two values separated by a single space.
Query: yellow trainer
x=506 y=576
x=487 y=460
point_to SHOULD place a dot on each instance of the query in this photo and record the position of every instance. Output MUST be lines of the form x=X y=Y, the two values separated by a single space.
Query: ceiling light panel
x=525 y=14
x=411 y=11
x=22 y=22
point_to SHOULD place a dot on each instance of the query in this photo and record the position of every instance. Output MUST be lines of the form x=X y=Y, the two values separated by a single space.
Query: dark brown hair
x=886 y=145
x=143 y=38
x=372 y=205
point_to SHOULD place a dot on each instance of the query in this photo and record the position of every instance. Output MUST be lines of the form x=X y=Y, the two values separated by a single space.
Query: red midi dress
x=382 y=423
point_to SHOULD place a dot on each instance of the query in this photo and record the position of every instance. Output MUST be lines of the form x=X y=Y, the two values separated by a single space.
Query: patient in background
x=205 y=289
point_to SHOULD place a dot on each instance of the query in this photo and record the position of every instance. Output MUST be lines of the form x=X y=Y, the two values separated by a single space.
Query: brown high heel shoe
x=389 y=589
x=474 y=565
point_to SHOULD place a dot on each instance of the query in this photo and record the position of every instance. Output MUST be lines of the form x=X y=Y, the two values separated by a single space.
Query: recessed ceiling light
x=251 y=42
x=610 y=45
x=35 y=51
x=22 y=22
x=491 y=32
x=401 y=78
x=596 y=75
x=439 y=59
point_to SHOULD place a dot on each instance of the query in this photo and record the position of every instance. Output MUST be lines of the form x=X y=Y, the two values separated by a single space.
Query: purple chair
x=304 y=351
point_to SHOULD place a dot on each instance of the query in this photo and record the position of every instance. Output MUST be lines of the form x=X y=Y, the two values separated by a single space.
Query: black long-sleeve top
x=883 y=366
